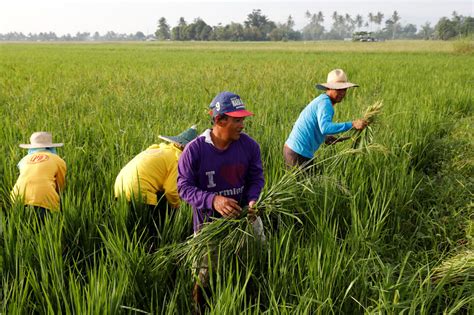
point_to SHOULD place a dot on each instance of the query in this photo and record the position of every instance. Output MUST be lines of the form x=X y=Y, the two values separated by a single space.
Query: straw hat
x=337 y=80
x=41 y=139
x=183 y=138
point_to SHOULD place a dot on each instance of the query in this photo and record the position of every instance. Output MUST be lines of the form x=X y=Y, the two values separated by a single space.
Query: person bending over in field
x=219 y=173
x=315 y=126
x=42 y=175
x=148 y=177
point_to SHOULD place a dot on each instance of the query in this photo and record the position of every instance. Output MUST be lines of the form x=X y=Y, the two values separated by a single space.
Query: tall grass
x=464 y=46
x=368 y=231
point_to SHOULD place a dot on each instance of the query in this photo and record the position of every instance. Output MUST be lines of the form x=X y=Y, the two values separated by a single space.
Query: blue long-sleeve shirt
x=205 y=171
x=313 y=125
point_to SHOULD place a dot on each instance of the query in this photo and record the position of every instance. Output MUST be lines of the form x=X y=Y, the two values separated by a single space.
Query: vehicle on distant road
x=363 y=37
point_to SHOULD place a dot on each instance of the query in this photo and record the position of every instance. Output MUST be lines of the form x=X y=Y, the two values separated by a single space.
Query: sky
x=126 y=16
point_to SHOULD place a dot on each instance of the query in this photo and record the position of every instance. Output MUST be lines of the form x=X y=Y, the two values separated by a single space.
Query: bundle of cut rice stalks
x=456 y=270
x=363 y=138
x=228 y=237
x=225 y=237
x=238 y=236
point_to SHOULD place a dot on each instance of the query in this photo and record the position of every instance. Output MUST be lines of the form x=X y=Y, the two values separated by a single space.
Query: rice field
x=383 y=229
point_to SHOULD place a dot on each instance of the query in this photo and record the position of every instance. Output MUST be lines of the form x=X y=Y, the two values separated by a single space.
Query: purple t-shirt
x=205 y=171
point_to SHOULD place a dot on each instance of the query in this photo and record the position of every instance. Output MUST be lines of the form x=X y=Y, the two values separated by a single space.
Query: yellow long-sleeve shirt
x=42 y=177
x=153 y=170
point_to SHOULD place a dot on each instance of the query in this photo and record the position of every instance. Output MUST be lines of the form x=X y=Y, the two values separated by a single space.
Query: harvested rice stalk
x=456 y=269
x=231 y=237
x=362 y=138
x=236 y=236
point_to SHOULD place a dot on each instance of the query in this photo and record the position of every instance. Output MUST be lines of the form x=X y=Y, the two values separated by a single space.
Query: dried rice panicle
x=456 y=269
x=372 y=112
x=362 y=138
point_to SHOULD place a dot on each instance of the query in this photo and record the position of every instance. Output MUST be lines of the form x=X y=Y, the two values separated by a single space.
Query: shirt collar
x=207 y=136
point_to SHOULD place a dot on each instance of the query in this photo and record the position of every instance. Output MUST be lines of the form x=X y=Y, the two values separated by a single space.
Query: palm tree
x=320 y=17
x=378 y=18
x=350 y=23
x=371 y=19
x=395 y=18
x=359 y=20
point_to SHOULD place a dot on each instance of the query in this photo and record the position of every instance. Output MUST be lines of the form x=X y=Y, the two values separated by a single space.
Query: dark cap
x=230 y=104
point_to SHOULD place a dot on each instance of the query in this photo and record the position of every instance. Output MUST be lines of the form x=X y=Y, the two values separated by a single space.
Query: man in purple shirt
x=221 y=171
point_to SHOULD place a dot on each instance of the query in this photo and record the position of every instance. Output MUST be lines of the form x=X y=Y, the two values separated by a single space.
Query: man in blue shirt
x=315 y=126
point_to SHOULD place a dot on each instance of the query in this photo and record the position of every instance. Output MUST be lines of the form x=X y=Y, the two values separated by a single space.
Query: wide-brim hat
x=41 y=139
x=183 y=138
x=337 y=80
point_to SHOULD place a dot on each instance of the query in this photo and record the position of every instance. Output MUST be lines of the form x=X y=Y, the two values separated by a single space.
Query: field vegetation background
x=384 y=230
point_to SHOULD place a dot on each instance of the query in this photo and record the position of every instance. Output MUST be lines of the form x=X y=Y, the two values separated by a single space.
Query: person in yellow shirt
x=151 y=175
x=42 y=175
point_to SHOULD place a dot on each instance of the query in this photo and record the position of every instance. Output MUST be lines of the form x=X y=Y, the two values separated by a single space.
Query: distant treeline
x=258 y=27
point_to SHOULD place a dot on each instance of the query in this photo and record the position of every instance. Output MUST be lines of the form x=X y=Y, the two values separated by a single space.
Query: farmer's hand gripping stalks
x=227 y=207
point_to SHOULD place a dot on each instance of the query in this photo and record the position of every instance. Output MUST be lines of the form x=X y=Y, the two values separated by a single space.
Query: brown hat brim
x=41 y=145
x=335 y=85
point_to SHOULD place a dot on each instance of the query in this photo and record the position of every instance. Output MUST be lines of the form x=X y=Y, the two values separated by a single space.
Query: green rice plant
x=16 y=294
x=470 y=233
x=283 y=276
x=86 y=295
x=231 y=283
